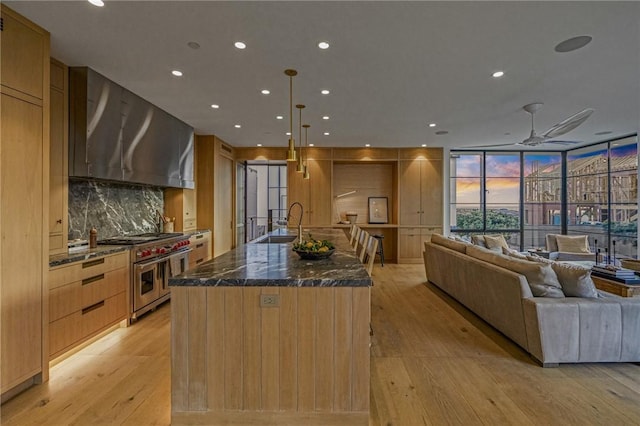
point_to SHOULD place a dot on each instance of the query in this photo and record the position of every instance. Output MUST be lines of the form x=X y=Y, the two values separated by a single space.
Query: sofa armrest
x=577 y=329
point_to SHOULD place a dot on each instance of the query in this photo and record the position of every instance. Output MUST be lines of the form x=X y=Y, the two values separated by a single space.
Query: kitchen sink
x=277 y=239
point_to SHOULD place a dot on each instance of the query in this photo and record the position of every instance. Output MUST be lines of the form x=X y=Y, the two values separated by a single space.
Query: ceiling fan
x=565 y=126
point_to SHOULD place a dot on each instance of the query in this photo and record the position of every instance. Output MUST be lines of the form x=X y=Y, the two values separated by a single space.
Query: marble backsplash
x=114 y=209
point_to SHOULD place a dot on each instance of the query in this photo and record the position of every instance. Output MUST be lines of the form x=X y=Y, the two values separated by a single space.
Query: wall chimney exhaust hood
x=116 y=135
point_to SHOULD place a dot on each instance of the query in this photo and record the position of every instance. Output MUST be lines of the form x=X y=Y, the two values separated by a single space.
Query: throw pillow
x=478 y=240
x=514 y=253
x=575 y=280
x=573 y=243
x=495 y=242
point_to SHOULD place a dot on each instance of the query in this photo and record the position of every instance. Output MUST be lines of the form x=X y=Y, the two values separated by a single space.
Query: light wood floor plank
x=433 y=363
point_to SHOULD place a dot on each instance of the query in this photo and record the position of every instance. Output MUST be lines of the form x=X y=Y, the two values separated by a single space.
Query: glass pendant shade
x=292 y=155
x=305 y=172
x=300 y=165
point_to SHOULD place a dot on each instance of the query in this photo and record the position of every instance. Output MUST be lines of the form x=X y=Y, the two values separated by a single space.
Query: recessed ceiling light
x=237 y=126
x=98 y=3
x=279 y=117
x=325 y=117
x=606 y=132
x=194 y=45
x=432 y=124
x=367 y=145
x=288 y=133
x=177 y=73
x=215 y=106
x=325 y=92
x=311 y=144
x=424 y=145
x=265 y=91
x=239 y=45
x=442 y=132
x=498 y=74
x=326 y=133
x=323 y=45
x=572 y=44
x=259 y=144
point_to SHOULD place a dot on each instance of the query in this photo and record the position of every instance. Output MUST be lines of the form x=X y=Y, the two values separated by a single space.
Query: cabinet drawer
x=82 y=324
x=189 y=224
x=73 y=297
x=89 y=268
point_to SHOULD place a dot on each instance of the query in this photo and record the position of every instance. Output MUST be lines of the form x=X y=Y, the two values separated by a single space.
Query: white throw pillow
x=575 y=280
x=573 y=243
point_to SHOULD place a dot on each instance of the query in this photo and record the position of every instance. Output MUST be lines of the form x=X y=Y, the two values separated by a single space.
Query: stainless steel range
x=155 y=257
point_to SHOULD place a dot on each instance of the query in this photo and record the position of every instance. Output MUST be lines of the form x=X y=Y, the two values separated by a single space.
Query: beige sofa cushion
x=575 y=279
x=514 y=253
x=573 y=243
x=478 y=240
x=441 y=240
x=541 y=278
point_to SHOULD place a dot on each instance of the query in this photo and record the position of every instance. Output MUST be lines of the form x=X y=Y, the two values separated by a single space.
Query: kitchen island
x=260 y=336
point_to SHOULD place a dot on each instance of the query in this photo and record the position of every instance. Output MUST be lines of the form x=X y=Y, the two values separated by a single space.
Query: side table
x=615 y=287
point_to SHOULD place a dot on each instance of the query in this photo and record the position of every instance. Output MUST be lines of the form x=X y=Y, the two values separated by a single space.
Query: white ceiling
x=392 y=67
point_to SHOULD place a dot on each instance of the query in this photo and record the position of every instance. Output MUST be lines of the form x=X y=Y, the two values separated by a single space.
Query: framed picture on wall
x=378 y=210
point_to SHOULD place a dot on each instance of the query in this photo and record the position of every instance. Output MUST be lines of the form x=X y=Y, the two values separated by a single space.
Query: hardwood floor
x=433 y=363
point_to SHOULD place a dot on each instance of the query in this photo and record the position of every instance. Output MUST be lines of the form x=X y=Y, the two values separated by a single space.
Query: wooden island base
x=304 y=361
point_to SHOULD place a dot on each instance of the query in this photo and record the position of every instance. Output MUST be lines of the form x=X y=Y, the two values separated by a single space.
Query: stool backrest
x=354 y=238
x=362 y=245
x=372 y=248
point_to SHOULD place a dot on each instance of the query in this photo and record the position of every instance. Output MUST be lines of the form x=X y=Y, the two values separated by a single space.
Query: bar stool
x=380 y=250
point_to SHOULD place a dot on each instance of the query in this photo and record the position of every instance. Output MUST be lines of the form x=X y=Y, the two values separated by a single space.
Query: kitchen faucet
x=299 y=220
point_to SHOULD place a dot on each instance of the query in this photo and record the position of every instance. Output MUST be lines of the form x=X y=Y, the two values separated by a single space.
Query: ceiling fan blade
x=568 y=124
x=562 y=142
x=491 y=146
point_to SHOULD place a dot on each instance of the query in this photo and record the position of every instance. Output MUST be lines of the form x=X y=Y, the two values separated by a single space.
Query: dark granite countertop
x=276 y=265
x=85 y=254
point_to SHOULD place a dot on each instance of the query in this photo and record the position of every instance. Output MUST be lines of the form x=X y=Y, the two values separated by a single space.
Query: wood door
x=58 y=159
x=410 y=192
x=319 y=192
x=431 y=192
x=22 y=55
x=223 y=206
x=21 y=157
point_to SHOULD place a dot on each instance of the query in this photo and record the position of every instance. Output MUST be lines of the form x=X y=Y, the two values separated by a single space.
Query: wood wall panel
x=260 y=154
x=365 y=154
x=420 y=153
x=303 y=356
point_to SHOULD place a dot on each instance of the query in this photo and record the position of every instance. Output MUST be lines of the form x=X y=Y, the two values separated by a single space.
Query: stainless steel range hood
x=116 y=135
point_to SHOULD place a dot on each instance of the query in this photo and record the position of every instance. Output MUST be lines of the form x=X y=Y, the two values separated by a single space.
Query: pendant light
x=306 y=144
x=291 y=152
x=299 y=167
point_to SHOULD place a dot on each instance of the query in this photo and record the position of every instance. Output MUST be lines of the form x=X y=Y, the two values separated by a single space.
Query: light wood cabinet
x=181 y=204
x=24 y=210
x=314 y=193
x=58 y=158
x=420 y=192
x=86 y=298
x=200 y=248
x=411 y=242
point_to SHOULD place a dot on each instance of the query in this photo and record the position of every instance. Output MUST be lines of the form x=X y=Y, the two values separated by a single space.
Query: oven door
x=147 y=281
x=175 y=264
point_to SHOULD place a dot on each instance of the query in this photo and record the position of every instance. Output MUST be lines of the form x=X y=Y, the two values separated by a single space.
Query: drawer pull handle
x=92 y=263
x=200 y=245
x=93 y=307
x=92 y=279
x=199 y=236
x=199 y=261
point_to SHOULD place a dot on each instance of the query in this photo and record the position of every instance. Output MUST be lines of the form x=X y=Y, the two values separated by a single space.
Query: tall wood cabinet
x=421 y=186
x=314 y=193
x=181 y=204
x=24 y=210
x=58 y=158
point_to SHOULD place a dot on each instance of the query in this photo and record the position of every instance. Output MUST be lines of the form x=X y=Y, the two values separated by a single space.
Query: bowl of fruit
x=312 y=249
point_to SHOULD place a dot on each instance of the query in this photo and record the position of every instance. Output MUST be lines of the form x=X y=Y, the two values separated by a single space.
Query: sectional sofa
x=552 y=327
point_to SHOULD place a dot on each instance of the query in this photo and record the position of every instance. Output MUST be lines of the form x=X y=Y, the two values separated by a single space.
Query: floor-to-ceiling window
x=265 y=198
x=520 y=195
